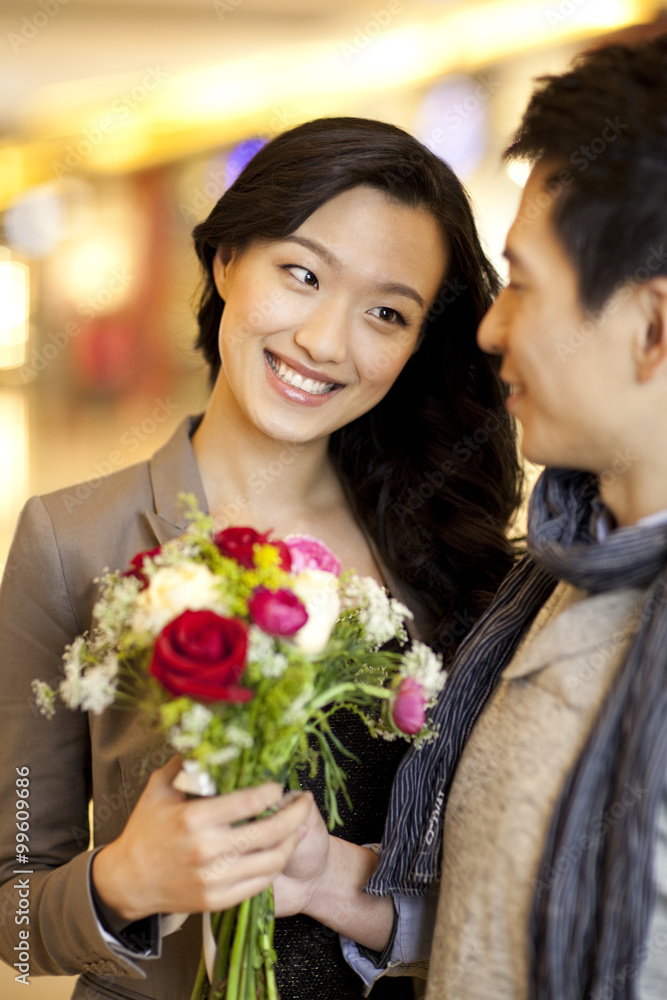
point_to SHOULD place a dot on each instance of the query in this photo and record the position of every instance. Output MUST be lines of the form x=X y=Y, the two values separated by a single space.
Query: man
x=547 y=784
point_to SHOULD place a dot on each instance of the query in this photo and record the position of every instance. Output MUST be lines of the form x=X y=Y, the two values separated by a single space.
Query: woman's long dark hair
x=432 y=470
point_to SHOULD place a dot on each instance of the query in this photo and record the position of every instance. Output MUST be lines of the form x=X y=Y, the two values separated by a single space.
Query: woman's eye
x=388 y=315
x=302 y=274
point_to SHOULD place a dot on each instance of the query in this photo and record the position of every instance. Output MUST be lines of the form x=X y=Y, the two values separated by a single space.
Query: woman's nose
x=324 y=334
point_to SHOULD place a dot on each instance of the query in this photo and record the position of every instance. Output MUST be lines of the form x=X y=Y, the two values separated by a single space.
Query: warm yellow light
x=13 y=454
x=518 y=171
x=14 y=296
x=83 y=126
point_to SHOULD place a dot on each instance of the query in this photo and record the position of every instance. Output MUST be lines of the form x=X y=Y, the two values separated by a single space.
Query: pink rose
x=408 y=711
x=239 y=543
x=202 y=655
x=310 y=553
x=278 y=613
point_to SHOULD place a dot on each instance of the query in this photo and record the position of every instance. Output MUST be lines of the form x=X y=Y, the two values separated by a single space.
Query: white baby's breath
x=381 y=616
x=45 y=698
x=91 y=690
x=425 y=667
x=223 y=756
x=113 y=612
x=238 y=737
x=262 y=650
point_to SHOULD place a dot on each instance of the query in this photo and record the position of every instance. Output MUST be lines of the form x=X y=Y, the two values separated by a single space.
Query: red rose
x=202 y=655
x=238 y=543
x=278 y=613
x=137 y=565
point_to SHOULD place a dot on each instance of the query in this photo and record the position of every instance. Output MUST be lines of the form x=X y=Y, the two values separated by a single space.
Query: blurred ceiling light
x=206 y=107
x=35 y=223
x=94 y=275
x=452 y=121
x=15 y=298
x=518 y=171
x=240 y=156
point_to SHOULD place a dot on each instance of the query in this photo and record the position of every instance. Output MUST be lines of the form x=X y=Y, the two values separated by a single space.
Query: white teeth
x=288 y=375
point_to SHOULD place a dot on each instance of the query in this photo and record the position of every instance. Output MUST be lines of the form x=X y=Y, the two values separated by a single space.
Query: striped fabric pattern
x=588 y=924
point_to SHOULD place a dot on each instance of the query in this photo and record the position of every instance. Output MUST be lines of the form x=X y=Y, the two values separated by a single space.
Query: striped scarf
x=588 y=925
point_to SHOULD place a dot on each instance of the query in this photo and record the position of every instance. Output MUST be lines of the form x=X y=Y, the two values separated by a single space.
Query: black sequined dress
x=310 y=962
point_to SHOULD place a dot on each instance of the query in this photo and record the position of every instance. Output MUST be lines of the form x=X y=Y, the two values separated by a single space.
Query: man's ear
x=222 y=262
x=650 y=343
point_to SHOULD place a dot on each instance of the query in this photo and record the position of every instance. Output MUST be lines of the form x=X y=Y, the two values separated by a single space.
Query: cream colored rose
x=172 y=590
x=319 y=592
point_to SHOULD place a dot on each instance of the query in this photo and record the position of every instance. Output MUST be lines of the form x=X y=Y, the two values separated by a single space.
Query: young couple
x=525 y=850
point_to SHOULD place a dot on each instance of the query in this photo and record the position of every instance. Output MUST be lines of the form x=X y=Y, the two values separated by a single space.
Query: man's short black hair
x=603 y=124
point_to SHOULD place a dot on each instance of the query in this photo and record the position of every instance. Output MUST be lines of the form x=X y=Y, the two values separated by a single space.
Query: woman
x=344 y=284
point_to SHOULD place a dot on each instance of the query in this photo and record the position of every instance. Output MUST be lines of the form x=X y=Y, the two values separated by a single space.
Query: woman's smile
x=298 y=382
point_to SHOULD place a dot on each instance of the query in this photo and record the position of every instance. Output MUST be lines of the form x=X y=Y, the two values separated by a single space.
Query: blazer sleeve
x=49 y=896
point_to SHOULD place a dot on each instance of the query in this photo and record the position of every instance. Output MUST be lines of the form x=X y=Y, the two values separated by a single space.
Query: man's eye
x=302 y=274
x=388 y=315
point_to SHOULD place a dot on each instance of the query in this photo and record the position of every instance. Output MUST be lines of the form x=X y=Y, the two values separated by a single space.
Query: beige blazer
x=62 y=542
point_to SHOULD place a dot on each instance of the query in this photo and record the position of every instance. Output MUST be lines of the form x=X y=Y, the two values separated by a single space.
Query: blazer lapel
x=173 y=470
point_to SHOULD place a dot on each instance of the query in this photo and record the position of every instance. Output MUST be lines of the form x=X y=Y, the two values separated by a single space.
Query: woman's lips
x=298 y=383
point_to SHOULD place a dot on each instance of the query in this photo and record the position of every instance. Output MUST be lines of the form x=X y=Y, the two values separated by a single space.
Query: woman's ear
x=222 y=262
x=650 y=344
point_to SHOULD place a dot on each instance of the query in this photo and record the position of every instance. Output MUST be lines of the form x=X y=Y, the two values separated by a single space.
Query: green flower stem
x=266 y=945
x=238 y=951
x=200 y=989
x=334 y=693
x=223 y=936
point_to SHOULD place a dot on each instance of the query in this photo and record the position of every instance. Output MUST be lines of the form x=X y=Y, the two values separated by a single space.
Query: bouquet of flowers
x=240 y=648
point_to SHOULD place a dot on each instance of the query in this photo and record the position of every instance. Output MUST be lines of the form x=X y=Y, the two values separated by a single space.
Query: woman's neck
x=250 y=478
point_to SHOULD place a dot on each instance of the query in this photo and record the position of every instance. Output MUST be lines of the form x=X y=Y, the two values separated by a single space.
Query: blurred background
x=121 y=124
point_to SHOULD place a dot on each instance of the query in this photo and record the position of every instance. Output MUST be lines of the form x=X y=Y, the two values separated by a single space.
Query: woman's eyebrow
x=388 y=287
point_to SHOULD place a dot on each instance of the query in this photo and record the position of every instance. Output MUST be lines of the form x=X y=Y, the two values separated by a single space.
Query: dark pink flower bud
x=408 y=711
x=277 y=612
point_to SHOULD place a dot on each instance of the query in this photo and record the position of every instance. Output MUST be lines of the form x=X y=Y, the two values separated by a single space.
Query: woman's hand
x=179 y=855
x=325 y=878
x=294 y=889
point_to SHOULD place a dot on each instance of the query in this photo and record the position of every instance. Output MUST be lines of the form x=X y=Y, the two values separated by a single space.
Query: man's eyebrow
x=388 y=287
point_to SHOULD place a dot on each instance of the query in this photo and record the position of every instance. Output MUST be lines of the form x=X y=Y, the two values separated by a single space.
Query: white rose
x=319 y=592
x=172 y=590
